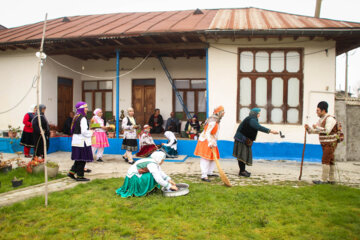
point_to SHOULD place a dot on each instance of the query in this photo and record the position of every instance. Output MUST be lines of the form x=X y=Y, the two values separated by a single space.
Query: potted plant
x=5 y=166
x=53 y=129
x=36 y=165
x=111 y=131
x=13 y=132
x=16 y=182
x=52 y=169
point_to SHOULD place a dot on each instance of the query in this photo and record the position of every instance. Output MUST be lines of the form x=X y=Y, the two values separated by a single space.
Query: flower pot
x=12 y=134
x=111 y=134
x=6 y=169
x=16 y=183
x=52 y=171
x=38 y=169
x=52 y=133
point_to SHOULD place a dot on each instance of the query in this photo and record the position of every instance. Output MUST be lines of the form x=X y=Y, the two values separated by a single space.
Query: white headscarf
x=32 y=107
x=158 y=156
x=172 y=139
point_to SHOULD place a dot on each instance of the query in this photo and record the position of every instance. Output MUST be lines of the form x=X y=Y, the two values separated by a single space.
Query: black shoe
x=100 y=160
x=317 y=182
x=331 y=182
x=125 y=159
x=244 y=174
x=131 y=162
x=205 y=179
x=213 y=175
x=70 y=175
x=82 y=179
x=87 y=170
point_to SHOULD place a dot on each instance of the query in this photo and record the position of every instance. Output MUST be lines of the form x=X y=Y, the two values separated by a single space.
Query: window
x=98 y=94
x=272 y=80
x=193 y=93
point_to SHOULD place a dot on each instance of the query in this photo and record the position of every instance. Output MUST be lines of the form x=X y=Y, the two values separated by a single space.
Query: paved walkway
x=263 y=172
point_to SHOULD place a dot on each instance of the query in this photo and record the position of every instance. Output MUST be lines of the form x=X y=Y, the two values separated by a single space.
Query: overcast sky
x=21 y=12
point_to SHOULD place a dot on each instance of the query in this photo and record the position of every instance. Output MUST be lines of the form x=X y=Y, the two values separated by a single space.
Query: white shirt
x=78 y=140
x=129 y=130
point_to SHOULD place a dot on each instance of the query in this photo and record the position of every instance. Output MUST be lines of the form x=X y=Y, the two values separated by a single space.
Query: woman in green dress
x=145 y=176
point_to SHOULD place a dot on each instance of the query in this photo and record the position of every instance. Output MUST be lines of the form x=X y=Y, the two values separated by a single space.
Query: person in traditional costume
x=326 y=127
x=207 y=143
x=38 y=140
x=192 y=128
x=172 y=124
x=130 y=136
x=156 y=121
x=170 y=148
x=67 y=124
x=81 y=151
x=145 y=176
x=27 y=139
x=147 y=145
x=244 y=137
x=99 y=136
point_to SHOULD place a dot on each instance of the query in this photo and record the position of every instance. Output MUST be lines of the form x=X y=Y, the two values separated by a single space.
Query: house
x=238 y=58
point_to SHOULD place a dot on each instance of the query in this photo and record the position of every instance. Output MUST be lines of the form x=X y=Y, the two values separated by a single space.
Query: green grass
x=94 y=211
x=29 y=179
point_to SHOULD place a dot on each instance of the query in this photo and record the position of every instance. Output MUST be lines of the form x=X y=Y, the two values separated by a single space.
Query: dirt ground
x=279 y=172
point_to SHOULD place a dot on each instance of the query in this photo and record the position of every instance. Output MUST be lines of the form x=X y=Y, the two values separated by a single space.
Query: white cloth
x=78 y=140
x=329 y=125
x=207 y=167
x=145 y=139
x=99 y=152
x=97 y=119
x=129 y=130
x=172 y=140
x=206 y=134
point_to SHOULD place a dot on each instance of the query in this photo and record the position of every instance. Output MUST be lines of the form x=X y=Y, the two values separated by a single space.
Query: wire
x=35 y=79
x=99 y=77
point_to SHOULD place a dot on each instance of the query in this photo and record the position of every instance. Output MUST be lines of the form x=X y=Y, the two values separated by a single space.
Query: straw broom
x=223 y=176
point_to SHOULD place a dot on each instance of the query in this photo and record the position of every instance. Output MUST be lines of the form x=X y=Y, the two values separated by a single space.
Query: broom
x=221 y=172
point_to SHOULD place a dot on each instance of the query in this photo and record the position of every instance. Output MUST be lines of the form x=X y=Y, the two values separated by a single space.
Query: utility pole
x=317 y=9
x=346 y=74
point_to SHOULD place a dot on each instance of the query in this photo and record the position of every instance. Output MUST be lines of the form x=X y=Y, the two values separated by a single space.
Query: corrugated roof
x=147 y=23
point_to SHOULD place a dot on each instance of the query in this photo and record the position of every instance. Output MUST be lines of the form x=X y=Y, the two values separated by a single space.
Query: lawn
x=29 y=179
x=210 y=211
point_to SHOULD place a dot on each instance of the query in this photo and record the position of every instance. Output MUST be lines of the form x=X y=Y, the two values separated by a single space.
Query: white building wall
x=17 y=71
x=319 y=83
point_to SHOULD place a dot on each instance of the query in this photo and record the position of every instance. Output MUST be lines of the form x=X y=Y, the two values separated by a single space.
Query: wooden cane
x=223 y=176
x=303 y=154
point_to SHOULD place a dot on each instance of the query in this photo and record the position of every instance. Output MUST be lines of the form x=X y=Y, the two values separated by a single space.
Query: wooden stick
x=302 y=158
x=223 y=176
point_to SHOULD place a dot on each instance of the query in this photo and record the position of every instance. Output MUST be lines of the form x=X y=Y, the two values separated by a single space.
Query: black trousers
x=78 y=168
x=241 y=166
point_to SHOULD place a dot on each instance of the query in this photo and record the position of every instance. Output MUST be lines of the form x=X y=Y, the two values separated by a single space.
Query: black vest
x=77 y=128
x=247 y=130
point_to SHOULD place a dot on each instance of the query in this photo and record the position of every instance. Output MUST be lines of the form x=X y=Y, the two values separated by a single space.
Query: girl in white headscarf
x=170 y=148
x=145 y=176
x=130 y=136
x=100 y=139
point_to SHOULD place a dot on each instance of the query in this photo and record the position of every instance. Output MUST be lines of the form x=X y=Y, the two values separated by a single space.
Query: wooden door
x=65 y=100
x=143 y=99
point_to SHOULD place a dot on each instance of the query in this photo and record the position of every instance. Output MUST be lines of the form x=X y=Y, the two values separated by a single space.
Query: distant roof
x=186 y=27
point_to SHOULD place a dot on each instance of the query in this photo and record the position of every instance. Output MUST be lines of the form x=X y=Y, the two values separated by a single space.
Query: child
x=147 y=145
x=170 y=148
x=101 y=140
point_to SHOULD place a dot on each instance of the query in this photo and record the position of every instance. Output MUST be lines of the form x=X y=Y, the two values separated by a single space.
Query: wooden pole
x=317 y=9
x=346 y=74
x=38 y=110
x=302 y=158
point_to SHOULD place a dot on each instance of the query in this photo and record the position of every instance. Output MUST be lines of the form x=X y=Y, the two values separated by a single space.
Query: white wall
x=17 y=71
x=151 y=68
x=319 y=83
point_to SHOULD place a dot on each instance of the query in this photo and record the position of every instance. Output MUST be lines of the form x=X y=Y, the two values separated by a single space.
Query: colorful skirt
x=101 y=140
x=146 y=150
x=243 y=153
x=138 y=186
x=170 y=152
x=82 y=153
x=204 y=151
x=27 y=139
x=129 y=145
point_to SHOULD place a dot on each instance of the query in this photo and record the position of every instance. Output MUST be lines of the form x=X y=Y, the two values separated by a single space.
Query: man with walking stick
x=326 y=127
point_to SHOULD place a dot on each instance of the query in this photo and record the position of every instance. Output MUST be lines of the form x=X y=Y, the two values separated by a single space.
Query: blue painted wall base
x=269 y=151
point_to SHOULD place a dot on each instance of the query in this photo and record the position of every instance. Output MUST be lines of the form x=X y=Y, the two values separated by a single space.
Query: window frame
x=185 y=90
x=269 y=76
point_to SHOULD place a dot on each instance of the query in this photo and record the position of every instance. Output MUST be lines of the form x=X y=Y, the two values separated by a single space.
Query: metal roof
x=181 y=27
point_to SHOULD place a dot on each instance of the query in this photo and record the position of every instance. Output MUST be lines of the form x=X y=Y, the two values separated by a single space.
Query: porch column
x=117 y=91
x=207 y=82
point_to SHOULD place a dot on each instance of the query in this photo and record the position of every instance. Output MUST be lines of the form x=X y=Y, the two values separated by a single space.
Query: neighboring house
x=238 y=58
